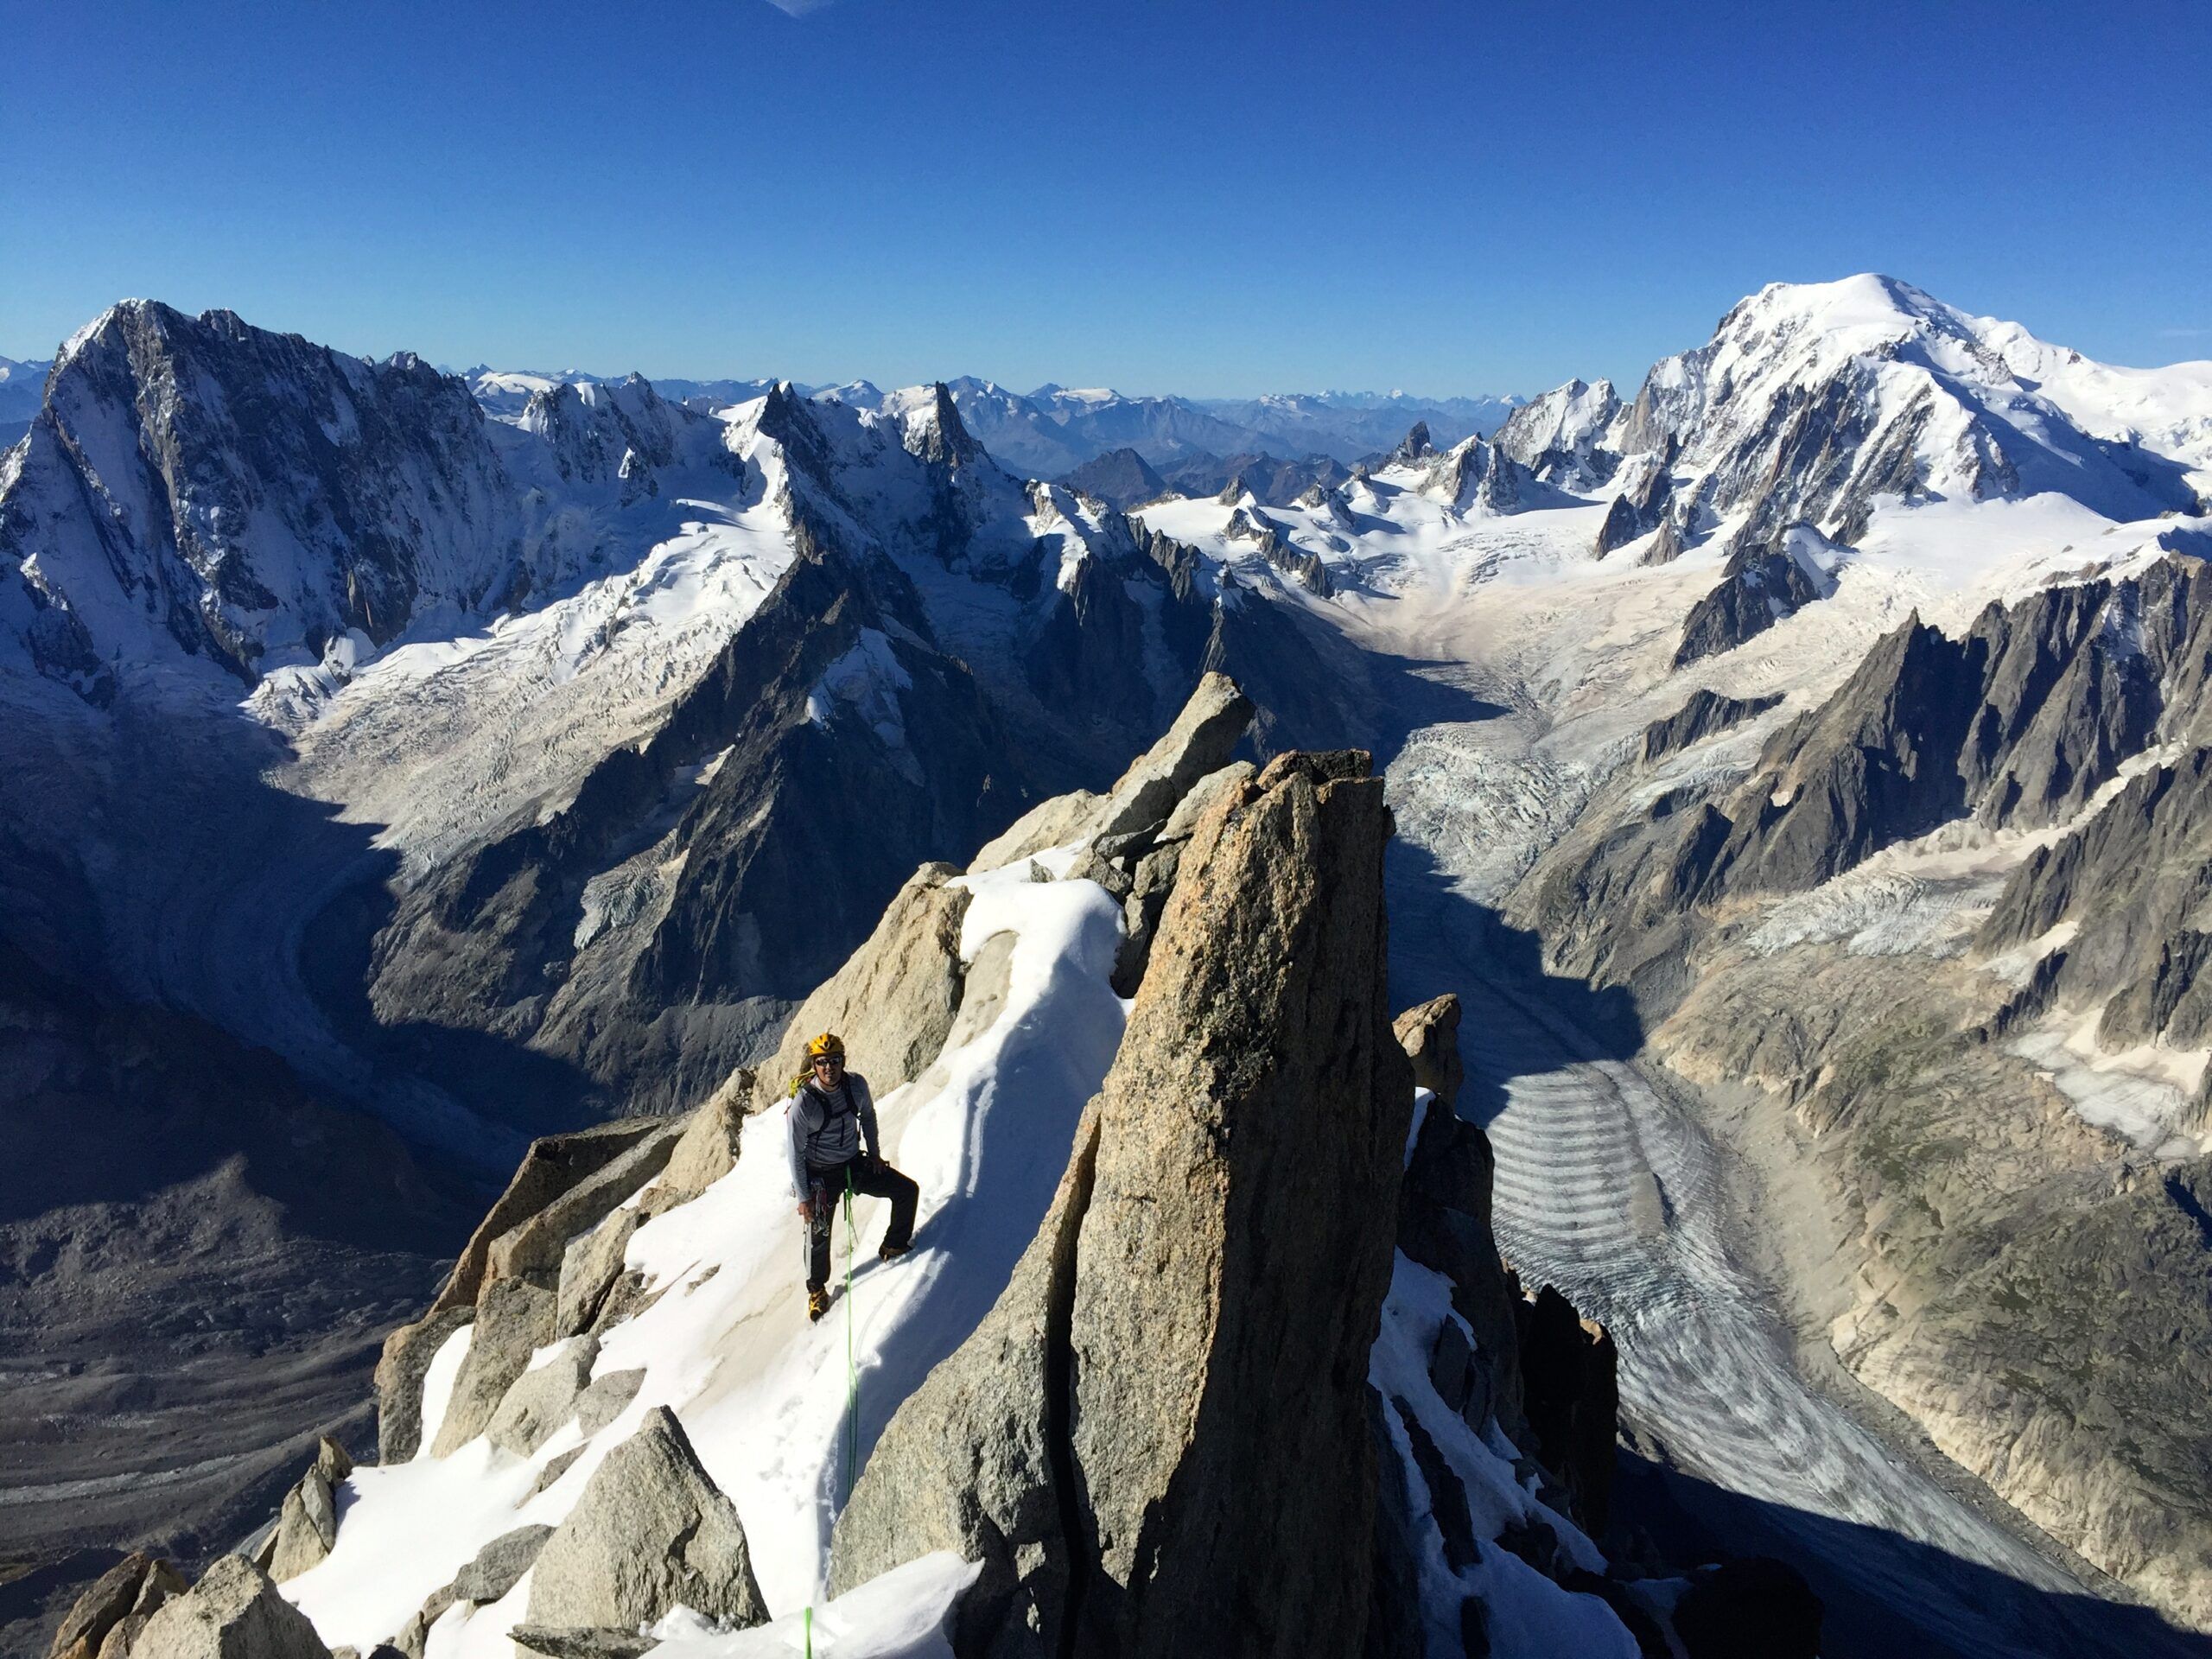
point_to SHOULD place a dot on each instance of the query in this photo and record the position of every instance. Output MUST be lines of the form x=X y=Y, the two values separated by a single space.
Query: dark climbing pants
x=870 y=1180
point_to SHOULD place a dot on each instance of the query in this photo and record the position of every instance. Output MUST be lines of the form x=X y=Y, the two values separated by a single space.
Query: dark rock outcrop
x=1757 y=1608
x=2133 y=880
x=1667 y=545
x=1762 y=583
x=1121 y=477
x=1705 y=713
x=1443 y=1213
x=1189 y=1333
x=1306 y=569
x=1571 y=1394
x=1646 y=492
x=2018 y=722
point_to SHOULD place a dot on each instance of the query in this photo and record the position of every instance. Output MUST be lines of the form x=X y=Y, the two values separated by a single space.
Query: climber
x=830 y=1112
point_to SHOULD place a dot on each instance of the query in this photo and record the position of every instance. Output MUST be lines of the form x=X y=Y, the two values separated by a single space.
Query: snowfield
x=761 y=1391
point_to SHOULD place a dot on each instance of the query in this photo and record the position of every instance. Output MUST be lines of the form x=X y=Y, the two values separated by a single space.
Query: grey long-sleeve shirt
x=827 y=1125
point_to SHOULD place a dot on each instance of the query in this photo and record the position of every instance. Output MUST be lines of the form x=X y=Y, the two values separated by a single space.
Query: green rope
x=852 y=1370
x=852 y=1385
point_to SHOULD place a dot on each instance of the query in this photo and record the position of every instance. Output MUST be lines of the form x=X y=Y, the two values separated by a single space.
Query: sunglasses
x=827 y=1062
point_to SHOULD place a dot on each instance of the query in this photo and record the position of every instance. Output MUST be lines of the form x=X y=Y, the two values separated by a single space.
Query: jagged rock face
x=253 y=495
x=1199 y=743
x=849 y=750
x=2018 y=723
x=307 y=1525
x=1705 y=713
x=116 y=1607
x=1093 y=634
x=1235 y=1249
x=1571 y=1396
x=1306 y=569
x=1444 y=1214
x=1480 y=478
x=649 y=1533
x=976 y=1460
x=1561 y=436
x=1667 y=545
x=2133 y=881
x=1759 y=586
x=508 y=1284
x=619 y=431
x=895 y=999
x=556 y=1167
x=235 y=1612
x=1202 y=1486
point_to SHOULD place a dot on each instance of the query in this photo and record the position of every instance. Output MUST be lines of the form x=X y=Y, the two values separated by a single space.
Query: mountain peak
x=1415 y=446
x=934 y=431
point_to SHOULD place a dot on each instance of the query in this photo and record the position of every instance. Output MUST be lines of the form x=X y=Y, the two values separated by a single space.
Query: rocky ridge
x=1123 y=1414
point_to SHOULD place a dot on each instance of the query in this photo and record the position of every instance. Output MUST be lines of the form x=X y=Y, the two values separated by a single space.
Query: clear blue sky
x=1448 y=197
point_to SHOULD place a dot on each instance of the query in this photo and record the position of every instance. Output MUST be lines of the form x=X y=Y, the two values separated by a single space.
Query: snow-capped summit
x=1561 y=436
x=252 y=495
x=1812 y=399
x=854 y=394
x=934 y=432
x=505 y=393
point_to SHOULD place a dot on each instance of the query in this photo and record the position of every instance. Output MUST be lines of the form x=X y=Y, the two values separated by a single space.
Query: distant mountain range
x=1800 y=767
x=1052 y=431
x=22 y=385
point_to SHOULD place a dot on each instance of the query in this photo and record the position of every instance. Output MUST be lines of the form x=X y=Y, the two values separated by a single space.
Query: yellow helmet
x=828 y=1046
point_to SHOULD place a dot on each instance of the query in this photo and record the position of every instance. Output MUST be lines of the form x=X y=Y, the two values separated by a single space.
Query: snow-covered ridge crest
x=628 y=1312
